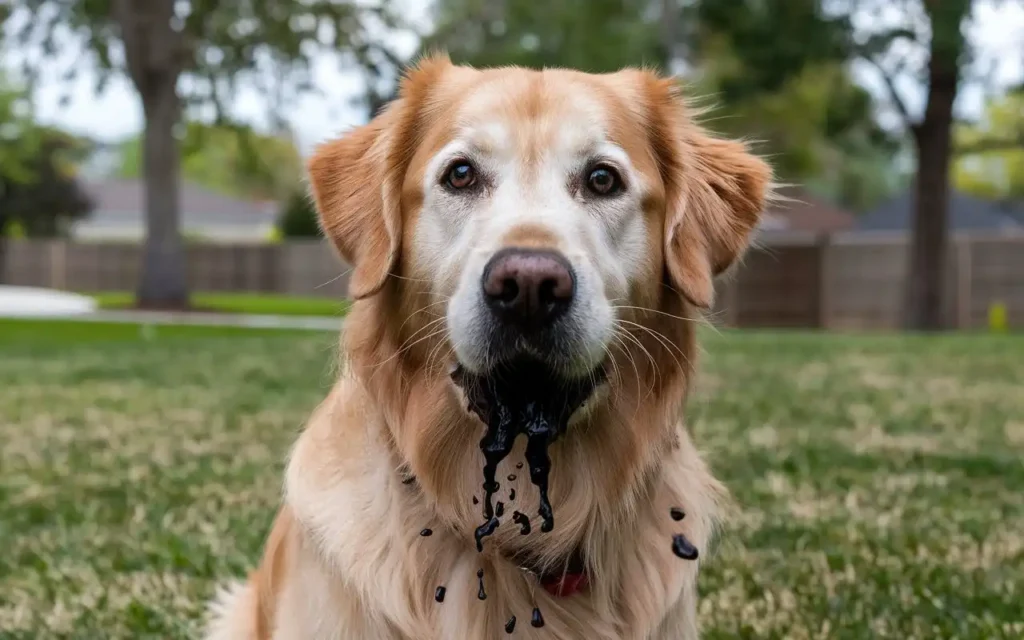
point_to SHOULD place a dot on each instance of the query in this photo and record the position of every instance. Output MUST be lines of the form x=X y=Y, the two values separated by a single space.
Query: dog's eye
x=461 y=175
x=604 y=181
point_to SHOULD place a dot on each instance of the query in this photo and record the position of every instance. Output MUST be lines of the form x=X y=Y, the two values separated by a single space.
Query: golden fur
x=344 y=558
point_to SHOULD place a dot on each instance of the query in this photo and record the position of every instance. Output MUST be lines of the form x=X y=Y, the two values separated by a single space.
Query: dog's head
x=568 y=219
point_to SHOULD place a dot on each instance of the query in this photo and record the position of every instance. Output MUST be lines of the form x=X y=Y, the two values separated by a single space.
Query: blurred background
x=899 y=125
x=176 y=311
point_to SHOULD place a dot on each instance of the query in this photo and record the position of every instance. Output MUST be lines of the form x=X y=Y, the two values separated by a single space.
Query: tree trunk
x=3 y=255
x=163 y=283
x=926 y=278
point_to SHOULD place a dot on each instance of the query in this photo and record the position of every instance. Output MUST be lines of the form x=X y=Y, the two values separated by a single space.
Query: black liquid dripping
x=521 y=397
x=439 y=594
x=537 y=621
x=683 y=547
x=677 y=513
x=510 y=626
x=523 y=521
x=499 y=509
x=511 y=495
x=426 y=533
x=481 y=594
x=476 y=500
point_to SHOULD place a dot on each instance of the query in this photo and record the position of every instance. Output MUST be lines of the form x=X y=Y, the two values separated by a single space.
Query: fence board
x=843 y=282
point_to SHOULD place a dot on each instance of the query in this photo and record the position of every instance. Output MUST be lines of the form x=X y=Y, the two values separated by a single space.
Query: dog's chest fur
x=362 y=569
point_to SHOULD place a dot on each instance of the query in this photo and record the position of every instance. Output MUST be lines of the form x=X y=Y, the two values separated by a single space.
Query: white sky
x=998 y=30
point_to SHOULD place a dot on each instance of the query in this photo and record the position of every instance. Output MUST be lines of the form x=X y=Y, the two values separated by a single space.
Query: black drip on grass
x=510 y=626
x=677 y=513
x=427 y=533
x=439 y=594
x=481 y=594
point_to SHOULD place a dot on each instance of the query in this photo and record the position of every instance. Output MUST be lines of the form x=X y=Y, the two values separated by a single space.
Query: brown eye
x=603 y=181
x=461 y=175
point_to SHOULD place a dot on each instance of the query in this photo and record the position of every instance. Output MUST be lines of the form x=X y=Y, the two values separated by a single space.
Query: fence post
x=731 y=317
x=963 y=283
x=58 y=264
x=824 y=282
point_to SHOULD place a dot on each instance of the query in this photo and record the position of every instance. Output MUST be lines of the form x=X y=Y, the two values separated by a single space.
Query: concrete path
x=203 y=319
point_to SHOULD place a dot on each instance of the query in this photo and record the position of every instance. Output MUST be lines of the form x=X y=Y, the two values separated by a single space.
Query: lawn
x=255 y=303
x=881 y=479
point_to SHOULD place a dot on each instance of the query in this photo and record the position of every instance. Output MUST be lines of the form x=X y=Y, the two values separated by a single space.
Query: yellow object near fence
x=997 y=317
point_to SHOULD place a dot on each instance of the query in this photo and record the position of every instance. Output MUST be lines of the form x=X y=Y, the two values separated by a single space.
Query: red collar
x=564 y=585
x=560 y=579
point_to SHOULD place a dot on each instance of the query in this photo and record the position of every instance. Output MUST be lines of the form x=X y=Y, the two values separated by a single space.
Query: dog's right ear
x=357 y=179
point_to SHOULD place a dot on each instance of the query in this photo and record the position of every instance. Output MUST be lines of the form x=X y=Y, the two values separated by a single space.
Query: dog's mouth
x=527 y=385
x=523 y=397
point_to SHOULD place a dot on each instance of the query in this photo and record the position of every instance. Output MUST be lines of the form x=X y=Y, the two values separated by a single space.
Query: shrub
x=298 y=218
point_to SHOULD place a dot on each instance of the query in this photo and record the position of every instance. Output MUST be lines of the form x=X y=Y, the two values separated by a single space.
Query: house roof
x=799 y=210
x=122 y=201
x=966 y=213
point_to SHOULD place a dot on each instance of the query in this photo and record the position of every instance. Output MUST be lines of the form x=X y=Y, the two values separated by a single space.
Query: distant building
x=967 y=214
x=800 y=211
x=119 y=214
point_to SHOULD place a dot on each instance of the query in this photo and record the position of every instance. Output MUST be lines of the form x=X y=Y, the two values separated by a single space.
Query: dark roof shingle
x=966 y=213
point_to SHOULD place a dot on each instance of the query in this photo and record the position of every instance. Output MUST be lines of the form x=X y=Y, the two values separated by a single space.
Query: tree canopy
x=39 y=192
x=993 y=171
x=187 y=58
x=774 y=70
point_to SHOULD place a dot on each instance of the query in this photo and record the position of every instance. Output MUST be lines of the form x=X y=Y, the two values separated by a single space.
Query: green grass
x=254 y=303
x=43 y=334
x=881 y=479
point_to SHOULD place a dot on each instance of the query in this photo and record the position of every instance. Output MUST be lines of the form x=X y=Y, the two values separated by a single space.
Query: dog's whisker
x=334 y=279
x=663 y=340
x=654 y=363
x=617 y=341
x=422 y=310
x=657 y=312
x=406 y=346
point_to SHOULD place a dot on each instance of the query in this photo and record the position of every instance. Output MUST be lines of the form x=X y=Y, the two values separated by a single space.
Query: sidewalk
x=204 y=319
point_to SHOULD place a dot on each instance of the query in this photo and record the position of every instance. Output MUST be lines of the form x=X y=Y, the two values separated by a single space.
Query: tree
x=591 y=35
x=778 y=70
x=19 y=141
x=234 y=160
x=923 y=40
x=182 y=54
x=775 y=68
x=43 y=196
x=990 y=154
x=47 y=196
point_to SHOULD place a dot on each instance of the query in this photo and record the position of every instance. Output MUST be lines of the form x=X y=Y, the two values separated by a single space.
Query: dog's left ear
x=715 y=193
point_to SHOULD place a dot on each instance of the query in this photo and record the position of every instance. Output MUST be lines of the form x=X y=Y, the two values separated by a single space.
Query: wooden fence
x=846 y=281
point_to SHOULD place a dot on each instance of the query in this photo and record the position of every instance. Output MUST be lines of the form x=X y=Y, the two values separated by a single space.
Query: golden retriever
x=576 y=220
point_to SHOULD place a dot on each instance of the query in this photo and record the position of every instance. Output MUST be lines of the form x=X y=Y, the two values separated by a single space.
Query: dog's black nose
x=529 y=288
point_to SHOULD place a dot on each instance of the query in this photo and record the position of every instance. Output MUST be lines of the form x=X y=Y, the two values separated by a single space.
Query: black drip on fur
x=521 y=398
